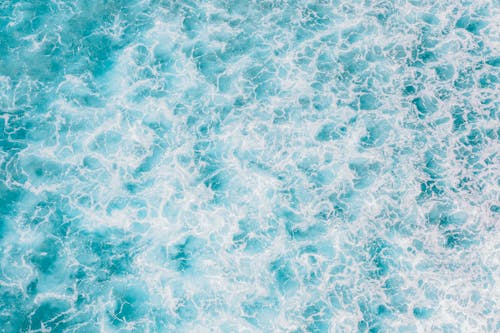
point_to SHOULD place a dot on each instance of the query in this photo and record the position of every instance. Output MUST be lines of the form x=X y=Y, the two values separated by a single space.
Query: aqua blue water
x=249 y=166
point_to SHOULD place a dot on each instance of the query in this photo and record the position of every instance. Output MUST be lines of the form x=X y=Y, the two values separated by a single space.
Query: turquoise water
x=249 y=166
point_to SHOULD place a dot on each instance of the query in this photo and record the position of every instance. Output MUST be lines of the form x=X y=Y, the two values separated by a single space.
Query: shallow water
x=260 y=166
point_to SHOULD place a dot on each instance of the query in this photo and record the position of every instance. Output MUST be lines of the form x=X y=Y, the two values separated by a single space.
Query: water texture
x=249 y=166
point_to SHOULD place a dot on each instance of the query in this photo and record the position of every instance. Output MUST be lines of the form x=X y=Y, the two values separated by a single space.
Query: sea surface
x=249 y=166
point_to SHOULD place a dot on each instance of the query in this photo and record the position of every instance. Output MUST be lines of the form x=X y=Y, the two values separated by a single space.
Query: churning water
x=249 y=166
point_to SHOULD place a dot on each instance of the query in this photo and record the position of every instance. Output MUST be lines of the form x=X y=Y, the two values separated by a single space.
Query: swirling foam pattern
x=249 y=166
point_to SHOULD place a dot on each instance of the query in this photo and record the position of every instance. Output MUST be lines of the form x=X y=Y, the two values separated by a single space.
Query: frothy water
x=249 y=166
